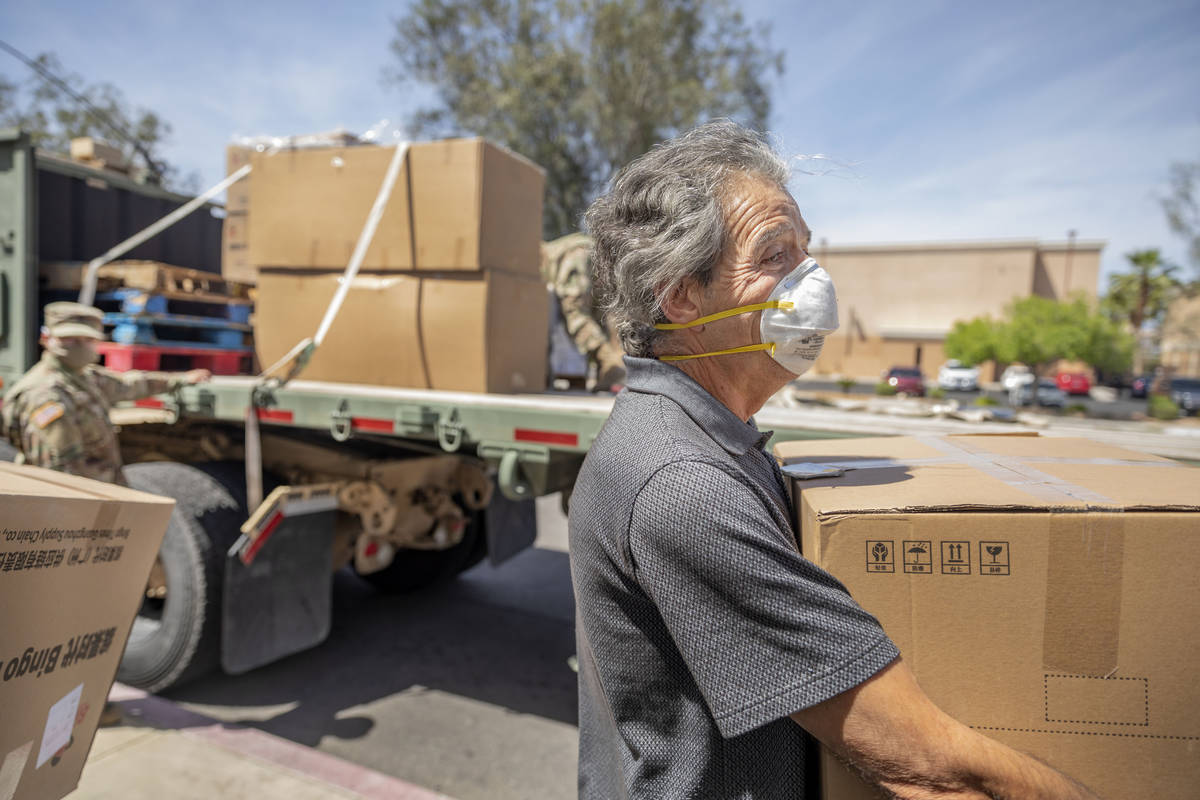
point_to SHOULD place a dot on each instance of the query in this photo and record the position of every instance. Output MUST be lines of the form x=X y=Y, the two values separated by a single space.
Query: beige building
x=1181 y=337
x=897 y=302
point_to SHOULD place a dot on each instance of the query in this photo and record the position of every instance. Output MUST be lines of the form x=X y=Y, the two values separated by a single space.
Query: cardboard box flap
x=983 y=473
x=25 y=480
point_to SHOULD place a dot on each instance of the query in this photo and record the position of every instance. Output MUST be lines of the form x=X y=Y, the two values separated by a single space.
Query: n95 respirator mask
x=800 y=312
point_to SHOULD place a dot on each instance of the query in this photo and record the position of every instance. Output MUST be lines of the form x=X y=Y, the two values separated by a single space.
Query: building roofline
x=1082 y=245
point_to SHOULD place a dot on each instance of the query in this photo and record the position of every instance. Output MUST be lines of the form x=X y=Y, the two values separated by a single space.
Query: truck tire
x=417 y=569
x=178 y=638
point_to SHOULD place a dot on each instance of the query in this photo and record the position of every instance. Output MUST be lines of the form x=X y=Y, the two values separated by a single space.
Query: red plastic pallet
x=123 y=357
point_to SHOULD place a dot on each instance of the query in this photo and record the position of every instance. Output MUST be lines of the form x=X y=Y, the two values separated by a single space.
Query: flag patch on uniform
x=47 y=414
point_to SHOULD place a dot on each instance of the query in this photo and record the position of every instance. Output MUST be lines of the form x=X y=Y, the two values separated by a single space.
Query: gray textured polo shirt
x=700 y=625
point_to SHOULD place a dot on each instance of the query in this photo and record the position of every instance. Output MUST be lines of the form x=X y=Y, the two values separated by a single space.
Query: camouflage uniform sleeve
x=50 y=437
x=573 y=285
x=134 y=384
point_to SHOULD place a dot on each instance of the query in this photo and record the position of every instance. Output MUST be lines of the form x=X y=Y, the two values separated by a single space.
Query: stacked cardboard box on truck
x=235 y=230
x=1043 y=591
x=449 y=294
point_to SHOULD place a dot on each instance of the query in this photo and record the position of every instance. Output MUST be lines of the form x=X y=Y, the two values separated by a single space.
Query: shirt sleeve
x=134 y=384
x=50 y=436
x=764 y=631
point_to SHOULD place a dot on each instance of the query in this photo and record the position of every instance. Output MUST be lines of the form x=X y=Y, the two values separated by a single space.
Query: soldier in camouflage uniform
x=567 y=272
x=56 y=415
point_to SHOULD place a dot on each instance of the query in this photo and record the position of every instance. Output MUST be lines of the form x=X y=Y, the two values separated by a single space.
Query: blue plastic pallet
x=140 y=301
x=162 y=329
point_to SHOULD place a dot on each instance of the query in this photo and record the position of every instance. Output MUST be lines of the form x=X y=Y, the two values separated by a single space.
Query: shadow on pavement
x=497 y=635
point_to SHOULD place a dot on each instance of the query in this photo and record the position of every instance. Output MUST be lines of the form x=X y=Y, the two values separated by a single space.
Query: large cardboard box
x=481 y=332
x=74 y=558
x=235 y=231
x=1044 y=591
x=459 y=204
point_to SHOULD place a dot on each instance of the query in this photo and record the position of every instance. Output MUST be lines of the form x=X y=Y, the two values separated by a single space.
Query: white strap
x=303 y=351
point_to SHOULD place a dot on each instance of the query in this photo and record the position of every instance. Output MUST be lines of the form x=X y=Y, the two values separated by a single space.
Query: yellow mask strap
x=732 y=312
x=750 y=348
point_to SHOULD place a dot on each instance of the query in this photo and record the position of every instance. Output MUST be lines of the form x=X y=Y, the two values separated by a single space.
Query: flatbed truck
x=407 y=487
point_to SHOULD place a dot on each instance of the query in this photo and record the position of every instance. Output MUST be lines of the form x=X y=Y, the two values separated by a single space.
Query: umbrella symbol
x=916 y=548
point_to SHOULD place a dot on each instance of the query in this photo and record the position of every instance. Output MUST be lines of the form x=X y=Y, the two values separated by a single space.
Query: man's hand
x=890 y=730
x=194 y=376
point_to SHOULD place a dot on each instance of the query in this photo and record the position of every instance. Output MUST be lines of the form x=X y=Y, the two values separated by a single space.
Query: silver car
x=1044 y=392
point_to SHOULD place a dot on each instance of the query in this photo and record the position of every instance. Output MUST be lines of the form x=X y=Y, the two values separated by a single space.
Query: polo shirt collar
x=651 y=376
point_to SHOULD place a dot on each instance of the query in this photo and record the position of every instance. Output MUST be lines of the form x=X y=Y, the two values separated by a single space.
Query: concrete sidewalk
x=161 y=750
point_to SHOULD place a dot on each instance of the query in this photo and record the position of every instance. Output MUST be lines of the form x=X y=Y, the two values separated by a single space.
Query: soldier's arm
x=573 y=285
x=136 y=384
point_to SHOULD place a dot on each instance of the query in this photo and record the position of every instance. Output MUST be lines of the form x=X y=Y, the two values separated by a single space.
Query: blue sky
x=942 y=120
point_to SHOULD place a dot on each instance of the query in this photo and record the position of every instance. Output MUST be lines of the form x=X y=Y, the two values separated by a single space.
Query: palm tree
x=1141 y=295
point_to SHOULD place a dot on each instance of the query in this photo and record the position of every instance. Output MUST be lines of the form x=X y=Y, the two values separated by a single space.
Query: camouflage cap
x=64 y=319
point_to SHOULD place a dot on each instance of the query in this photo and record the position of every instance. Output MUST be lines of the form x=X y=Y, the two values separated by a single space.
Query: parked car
x=908 y=380
x=955 y=375
x=1074 y=382
x=1140 y=385
x=1044 y=392
x=1015 y=376
x=1185 y=392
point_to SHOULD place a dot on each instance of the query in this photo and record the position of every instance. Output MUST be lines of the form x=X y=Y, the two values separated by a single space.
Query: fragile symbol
x=994 y=558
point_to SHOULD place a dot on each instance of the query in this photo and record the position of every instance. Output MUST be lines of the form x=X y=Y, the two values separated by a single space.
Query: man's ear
x=682 y=303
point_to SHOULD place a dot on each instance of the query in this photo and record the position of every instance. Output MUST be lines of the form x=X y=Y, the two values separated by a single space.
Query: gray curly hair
x=663 y=222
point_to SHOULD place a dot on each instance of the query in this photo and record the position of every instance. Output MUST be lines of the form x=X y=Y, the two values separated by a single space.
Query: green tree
x=972 y=341
x=581 y=86
x=1139 y=298
x=53 y=115
x=1038 y=331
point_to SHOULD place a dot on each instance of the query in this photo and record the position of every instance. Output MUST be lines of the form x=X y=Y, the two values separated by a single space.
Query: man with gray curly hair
x=708 y=646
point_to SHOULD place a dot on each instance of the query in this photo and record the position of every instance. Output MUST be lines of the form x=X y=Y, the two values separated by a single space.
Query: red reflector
x=274 y=415
x=369 y=424
x=149 y=402
x=371 y=549
x=546 y=437
x=250 y=552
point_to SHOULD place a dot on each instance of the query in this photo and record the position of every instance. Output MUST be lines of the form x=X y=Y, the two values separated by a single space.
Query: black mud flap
x=278 y=590
x=511 y=527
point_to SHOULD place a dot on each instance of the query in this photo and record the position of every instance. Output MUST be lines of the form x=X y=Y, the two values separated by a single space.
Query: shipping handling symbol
x=879 y=551
x=995 y=550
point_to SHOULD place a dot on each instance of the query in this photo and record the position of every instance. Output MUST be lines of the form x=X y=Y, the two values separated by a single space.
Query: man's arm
x=890 y=730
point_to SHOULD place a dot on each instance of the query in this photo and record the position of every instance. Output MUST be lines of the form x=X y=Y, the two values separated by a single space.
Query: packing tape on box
x=1016 y=473
x=1084 y=576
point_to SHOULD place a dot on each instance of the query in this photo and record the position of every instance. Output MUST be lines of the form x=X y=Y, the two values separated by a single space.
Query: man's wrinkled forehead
x=736 y=183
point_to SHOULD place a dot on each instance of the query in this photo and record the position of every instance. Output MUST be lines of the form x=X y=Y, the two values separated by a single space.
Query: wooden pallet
x=150 y=276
